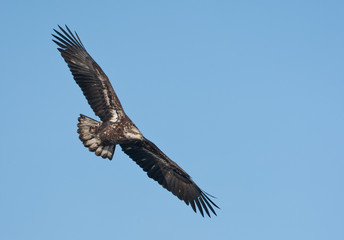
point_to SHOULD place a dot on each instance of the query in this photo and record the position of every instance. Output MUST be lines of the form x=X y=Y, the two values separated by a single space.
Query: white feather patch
x=114 y=117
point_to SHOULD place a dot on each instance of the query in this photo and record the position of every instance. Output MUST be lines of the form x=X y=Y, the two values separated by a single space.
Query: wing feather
x=192 y=203
x=93 y=82
x=168 y=174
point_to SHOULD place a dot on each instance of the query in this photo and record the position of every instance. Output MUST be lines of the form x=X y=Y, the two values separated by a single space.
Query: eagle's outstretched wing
x=89 y=76
x=168 y=174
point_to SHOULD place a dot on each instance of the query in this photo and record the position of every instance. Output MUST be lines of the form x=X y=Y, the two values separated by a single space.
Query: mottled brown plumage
x=117 y=128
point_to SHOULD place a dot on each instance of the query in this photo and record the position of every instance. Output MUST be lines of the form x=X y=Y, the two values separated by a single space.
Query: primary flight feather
x=117 y=128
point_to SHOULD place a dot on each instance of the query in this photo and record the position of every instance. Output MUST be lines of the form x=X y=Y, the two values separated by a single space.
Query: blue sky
x=246 y=96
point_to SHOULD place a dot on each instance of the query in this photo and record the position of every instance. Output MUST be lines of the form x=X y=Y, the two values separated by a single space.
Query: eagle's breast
x=119 y=132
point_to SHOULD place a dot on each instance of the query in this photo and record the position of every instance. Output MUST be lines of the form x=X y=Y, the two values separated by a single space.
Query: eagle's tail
x=87 y=129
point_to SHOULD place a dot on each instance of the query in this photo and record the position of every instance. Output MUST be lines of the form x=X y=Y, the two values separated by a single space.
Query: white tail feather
x=87 y=129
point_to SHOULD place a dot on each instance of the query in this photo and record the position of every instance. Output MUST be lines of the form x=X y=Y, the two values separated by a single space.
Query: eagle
x=116 y=128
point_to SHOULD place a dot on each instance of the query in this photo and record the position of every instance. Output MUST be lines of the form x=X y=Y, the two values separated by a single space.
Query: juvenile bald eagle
x=116 y=127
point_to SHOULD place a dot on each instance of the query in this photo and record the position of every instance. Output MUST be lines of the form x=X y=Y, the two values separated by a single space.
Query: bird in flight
x=117 y=128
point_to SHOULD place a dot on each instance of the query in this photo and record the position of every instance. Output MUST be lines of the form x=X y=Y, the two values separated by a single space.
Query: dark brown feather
x=93 y=82
x=168 y=174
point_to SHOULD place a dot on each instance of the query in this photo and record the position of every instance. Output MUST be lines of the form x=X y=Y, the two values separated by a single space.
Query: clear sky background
x=246 y=96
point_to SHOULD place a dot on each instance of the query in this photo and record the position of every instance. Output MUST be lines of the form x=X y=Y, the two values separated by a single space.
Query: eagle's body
x=102 y=137
x=116 y=128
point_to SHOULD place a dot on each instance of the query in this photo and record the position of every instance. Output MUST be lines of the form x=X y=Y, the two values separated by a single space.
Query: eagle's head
x=132 y=132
